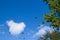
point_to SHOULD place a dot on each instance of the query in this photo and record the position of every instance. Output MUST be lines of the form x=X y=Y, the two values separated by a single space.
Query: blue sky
x=21 y=11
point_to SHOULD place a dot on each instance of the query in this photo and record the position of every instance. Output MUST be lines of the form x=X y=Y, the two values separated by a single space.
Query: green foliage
x=53 y=36
x=54 y=5
x=55 y=21
x=53 y=18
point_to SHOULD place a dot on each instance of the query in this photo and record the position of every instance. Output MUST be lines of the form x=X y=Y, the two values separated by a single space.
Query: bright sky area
x=20 y=19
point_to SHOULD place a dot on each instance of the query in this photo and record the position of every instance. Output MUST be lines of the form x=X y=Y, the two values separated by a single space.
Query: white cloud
x=15 y=28
x=43 y=30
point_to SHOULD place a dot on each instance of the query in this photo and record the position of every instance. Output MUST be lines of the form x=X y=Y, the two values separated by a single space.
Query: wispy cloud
x=2 y=25
x=15 y=28
x=43 y=31
x=1 y=28
x=2 y=32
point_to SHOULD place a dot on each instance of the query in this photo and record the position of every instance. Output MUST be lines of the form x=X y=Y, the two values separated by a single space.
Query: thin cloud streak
x=43 y=31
